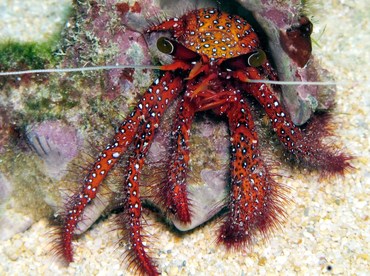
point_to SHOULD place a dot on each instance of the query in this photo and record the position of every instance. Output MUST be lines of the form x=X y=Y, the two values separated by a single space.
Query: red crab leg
x=143 y=141
x=133 y=208
x=173 y=190
x=305 y=147
x=159 y=95
x=255 y=198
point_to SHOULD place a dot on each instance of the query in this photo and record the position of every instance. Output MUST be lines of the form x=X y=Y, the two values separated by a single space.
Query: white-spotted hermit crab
x=218 y=63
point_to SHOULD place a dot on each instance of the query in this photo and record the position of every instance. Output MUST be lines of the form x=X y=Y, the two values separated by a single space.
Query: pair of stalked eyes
x=171 y=47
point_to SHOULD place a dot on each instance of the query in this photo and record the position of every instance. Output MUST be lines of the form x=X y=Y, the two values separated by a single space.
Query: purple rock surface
x=56 y=144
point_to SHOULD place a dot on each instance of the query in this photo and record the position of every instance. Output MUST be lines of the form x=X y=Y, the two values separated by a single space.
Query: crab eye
x=252 y=59
x=257 y=58
x=165 y=46
x=176 y=49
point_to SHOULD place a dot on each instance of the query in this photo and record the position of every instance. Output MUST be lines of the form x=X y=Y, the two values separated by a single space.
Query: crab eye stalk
x=165 y=45
x=257 y=58
x=253 y=59
x=176 y=49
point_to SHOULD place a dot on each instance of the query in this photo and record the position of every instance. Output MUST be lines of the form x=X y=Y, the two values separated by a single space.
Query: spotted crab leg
x=131 y=219
x=152 y=105
x=307 y=148
x=255 y=198
x=173 y=189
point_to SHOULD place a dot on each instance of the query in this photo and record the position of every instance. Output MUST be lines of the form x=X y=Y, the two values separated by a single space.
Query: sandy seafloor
x=327 y=229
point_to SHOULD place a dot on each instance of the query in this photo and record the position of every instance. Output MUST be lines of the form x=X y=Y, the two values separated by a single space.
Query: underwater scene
x=198 y=137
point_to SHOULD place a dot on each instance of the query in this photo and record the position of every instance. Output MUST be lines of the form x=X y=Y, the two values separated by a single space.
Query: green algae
x=32 y=54
x=50 y=101
x=35 y=55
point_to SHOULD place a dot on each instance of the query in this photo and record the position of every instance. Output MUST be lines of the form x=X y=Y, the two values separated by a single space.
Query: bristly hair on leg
x=88 y=217
x=71 y=197
x=255 y=201
x=272 y=218
x=129 y=256
x=327 y=158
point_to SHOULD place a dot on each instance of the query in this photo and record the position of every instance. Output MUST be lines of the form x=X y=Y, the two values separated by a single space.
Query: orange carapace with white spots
x=212 y=33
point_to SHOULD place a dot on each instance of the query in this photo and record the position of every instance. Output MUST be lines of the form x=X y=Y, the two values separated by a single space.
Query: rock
x=12 y=222
x=207 y=199
x=5 y=188
x=56 y=143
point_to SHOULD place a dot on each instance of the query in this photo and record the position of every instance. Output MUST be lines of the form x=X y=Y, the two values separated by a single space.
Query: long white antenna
x=294 y=82
x=81 y=69
x=110 y=67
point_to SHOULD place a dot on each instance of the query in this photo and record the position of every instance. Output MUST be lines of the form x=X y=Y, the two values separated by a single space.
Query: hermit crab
x=218 y=65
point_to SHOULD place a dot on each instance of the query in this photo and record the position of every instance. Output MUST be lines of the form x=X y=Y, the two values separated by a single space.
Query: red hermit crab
x=218 y=64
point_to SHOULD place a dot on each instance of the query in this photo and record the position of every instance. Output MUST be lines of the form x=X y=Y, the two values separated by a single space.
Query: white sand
x=328 y=224
x=27 y=20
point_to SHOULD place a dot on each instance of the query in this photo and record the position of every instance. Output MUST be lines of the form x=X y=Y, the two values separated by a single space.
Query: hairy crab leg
x=173 y=189
x=307 y=148
x=159 y=95
x=131 y=220
x=255 y=198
